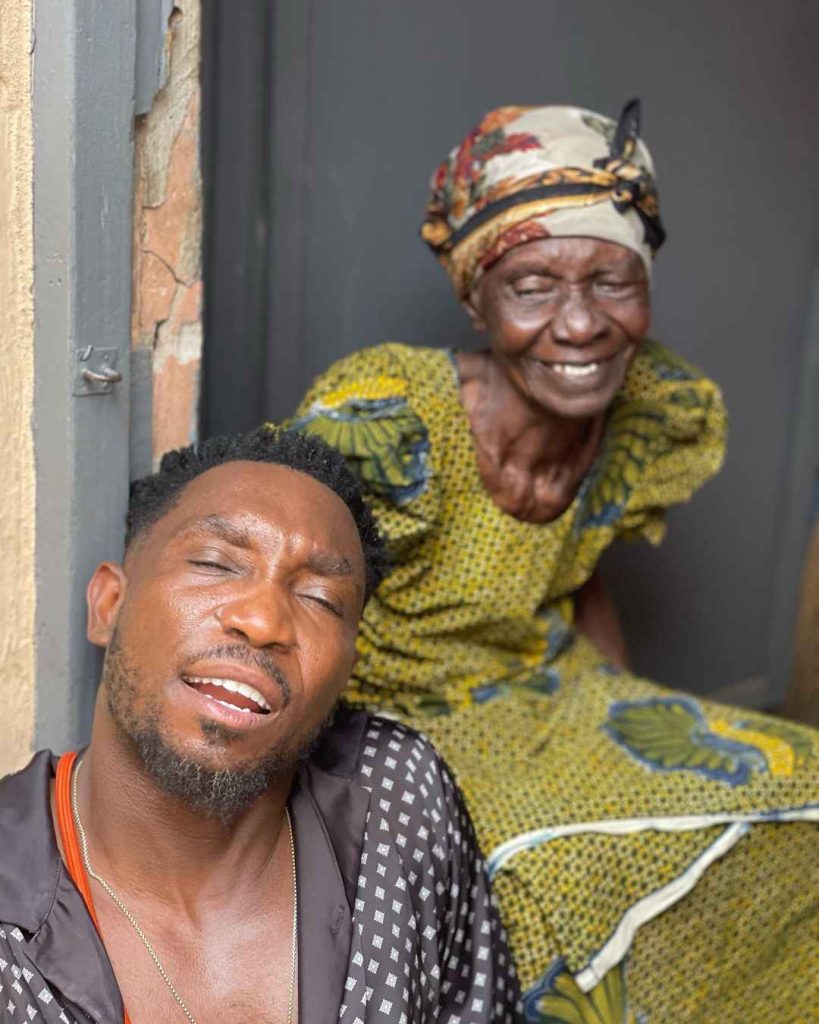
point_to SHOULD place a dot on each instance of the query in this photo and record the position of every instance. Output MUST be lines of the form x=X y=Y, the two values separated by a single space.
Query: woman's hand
x=596 y=618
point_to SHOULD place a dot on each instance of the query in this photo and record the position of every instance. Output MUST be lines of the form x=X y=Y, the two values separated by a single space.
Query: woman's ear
x=104 y=596
x=472 y=305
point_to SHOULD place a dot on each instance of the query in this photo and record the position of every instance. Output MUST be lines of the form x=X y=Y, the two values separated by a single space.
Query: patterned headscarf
x=542 y=172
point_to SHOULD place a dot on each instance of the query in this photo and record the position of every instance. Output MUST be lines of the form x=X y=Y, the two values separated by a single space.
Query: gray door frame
x=800 y=507
x=88 y=73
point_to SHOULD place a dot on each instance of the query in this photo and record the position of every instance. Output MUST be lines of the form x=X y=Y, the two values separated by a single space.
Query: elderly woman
x=636 y=837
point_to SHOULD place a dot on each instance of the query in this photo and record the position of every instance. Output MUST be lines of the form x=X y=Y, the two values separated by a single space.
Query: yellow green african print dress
x=655 y=855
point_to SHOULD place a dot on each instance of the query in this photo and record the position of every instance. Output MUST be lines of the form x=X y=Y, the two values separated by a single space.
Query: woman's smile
x=578 y=376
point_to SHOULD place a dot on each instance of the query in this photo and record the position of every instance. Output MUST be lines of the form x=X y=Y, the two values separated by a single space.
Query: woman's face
x=565 y=318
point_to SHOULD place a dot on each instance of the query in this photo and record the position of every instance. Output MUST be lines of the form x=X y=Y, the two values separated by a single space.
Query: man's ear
x=472 y=305
x=104 y=595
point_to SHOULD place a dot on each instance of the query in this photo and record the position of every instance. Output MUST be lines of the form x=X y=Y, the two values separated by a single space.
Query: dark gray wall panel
x=236 y=143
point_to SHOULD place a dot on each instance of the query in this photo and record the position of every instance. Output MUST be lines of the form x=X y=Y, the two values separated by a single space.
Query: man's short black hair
x=153 y=496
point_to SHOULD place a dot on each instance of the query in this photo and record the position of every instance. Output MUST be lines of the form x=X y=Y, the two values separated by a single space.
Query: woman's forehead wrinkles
x=559 y=253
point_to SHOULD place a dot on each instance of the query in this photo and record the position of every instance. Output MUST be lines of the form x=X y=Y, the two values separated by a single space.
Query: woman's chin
x=574 y=408
x=574 y=403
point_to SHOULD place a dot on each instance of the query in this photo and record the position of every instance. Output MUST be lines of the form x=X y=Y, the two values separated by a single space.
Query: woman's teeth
x=575 y=369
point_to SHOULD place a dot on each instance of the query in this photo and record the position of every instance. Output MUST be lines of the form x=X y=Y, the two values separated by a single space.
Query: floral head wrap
x=542 y=172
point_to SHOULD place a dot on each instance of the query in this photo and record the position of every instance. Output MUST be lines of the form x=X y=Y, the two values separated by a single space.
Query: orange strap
x=68 y=836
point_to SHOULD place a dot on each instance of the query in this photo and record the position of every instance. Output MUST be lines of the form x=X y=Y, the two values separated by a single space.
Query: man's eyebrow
x=325 y=564
x=220 y=527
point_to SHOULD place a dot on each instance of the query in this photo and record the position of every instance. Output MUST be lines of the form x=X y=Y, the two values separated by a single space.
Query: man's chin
x=206 y=770
x=209 y=777
x=208 y=780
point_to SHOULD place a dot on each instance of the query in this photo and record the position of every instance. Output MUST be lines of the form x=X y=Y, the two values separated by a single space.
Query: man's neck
x=145 y=842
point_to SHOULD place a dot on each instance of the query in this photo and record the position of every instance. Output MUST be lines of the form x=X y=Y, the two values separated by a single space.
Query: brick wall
x=167 y=302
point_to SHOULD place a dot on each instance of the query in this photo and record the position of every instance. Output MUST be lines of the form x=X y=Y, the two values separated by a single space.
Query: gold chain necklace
x=144 y=938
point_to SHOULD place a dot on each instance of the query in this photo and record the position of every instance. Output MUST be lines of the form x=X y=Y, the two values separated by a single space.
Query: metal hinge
x=96 y=371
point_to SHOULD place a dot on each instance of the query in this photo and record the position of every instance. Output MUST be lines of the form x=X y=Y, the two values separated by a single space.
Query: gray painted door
x=84 y=104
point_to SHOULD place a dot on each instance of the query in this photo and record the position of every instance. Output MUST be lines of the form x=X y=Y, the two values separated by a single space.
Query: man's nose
x=262 y=615
x=577 y=321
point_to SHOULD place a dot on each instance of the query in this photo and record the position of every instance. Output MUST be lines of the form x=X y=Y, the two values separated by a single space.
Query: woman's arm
x=596 y=618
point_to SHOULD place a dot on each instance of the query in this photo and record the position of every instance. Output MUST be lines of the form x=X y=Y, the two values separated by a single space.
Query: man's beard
x=221 y=793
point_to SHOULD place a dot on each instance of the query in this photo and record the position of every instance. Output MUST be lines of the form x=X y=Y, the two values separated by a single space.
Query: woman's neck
x=508 y=429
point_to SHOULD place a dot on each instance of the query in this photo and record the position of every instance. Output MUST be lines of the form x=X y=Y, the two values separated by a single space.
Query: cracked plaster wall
x=167 y=305
x=16 y=387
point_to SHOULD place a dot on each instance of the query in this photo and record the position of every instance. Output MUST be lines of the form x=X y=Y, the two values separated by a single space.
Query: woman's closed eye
x=614 y=285
x=533 y=285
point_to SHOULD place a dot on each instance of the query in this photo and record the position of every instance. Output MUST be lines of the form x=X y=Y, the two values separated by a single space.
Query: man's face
x=234 y=630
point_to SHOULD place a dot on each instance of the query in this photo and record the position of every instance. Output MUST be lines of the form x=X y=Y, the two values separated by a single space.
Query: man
x=237 y=868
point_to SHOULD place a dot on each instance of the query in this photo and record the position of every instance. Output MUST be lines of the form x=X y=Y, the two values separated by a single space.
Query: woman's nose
x=261 y=615
x=577 y=321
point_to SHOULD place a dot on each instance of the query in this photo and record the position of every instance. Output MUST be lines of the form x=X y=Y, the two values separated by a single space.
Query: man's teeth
x=232 y=687
x=233 y=707
x=575 y=369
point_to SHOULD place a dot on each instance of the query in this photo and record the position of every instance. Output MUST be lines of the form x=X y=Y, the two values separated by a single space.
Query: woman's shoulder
x=379 y=408
x=681 y=413
x=386 y=369
x=665 y=437
x=661 y=376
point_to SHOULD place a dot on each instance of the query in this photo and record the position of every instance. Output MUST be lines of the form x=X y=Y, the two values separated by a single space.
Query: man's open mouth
x=231 y=694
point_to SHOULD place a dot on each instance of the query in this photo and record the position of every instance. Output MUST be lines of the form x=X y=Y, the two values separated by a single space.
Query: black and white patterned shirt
x=396 y=919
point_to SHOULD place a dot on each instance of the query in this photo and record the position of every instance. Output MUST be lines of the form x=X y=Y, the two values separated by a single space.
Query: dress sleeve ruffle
x=367 y=407
x=665 y=438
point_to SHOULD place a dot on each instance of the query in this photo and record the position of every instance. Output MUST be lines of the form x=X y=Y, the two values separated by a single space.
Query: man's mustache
x=251 y=657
